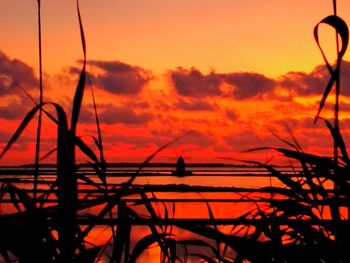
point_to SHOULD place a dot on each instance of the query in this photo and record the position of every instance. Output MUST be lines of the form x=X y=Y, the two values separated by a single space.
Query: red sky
x=231 y=72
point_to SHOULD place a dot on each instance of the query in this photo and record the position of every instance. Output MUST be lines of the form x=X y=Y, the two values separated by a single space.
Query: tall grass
x=312 y=223
x=38 y=134
x=65 y=214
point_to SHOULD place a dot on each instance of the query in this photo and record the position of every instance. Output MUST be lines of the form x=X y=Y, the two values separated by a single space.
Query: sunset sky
x=231 y=72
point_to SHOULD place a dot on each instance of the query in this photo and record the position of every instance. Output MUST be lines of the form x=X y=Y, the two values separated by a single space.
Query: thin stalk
x=38 y=133
x=337 y=89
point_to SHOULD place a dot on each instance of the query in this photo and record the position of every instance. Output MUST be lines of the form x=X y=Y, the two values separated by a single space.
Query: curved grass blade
x=143 y=244
x=20 y=129
x=86 y=149
x=308 y=158
x=342 y=30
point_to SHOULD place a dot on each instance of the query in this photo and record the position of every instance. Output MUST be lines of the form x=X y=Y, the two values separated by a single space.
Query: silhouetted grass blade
x=341 y=28
x=20 y=129
x=338 y=138
x=79 y=92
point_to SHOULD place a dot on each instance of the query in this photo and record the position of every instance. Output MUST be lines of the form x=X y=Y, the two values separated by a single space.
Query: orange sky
x=228 y=71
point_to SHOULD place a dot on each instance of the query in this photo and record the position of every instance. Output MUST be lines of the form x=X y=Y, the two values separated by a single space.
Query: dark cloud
x=232 y=115
x=118 y=77
x=248 y=85
x=305 y=84
x=13 y=111
x=198 y=105
x=345 y=78
x=111 y=114
x=193 y=83
x=315 y=82
x=14 y=72
x=16 y=108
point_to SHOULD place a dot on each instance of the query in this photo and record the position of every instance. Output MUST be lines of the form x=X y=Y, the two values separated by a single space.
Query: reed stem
x=38 y=134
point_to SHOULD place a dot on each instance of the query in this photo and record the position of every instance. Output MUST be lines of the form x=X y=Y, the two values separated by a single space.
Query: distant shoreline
x=127 y=164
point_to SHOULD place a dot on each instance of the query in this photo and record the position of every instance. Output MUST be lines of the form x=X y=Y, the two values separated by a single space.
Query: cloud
x=111 y=114
x=197 y=105
x=305 y=84
x=249 y=138
x=315 y=82
x=231 y=115
x=118 y=77
x=138 y=141
x=193 y=83
x=248 y=85
x=13 y=111
x=14 y=72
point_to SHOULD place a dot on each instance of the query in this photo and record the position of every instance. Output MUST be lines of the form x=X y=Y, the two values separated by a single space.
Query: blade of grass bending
x=321 y=161
x=35 y=103
x=20 y=129
x=341 y=28
x=86 y=149
x=79 y=92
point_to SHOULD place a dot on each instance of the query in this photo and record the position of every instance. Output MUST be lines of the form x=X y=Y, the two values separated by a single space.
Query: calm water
x=225 y=204
x=201 y=176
